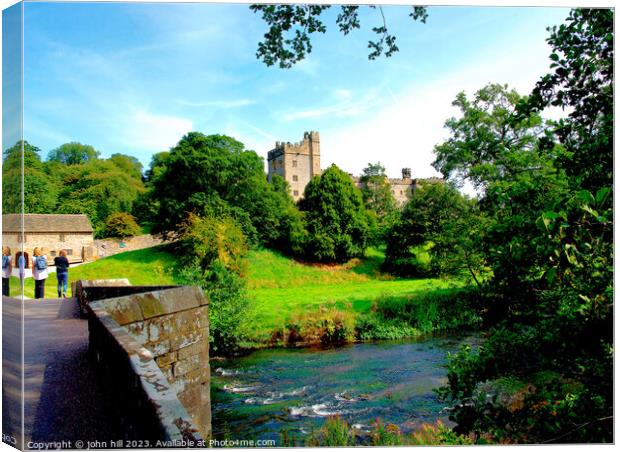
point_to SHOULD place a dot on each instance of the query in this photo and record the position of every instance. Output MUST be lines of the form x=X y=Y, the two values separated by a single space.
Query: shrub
x=214 y=249
x=373 y=326
x=121 y=224
x=208 y=239
x=228 y=305
x=441 y=310
x=327 y=326
x=437 y=435
x=334 y=433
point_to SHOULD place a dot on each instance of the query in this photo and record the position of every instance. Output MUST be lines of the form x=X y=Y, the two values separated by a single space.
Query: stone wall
x=50 y=244
x=172 y=325
x=296 y=162
x=109 y=247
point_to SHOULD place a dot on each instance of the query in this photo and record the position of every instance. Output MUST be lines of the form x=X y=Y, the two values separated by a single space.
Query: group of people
x=40 y=271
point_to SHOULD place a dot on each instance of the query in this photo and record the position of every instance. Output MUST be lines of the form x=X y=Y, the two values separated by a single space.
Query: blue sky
x=134 y=78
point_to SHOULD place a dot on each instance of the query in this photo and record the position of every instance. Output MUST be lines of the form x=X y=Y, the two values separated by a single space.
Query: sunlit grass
x=279 y=287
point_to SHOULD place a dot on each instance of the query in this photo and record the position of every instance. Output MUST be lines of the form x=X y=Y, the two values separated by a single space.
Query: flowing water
x=270 y=391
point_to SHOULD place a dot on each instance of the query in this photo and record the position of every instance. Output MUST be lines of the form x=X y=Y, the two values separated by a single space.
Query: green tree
x=204 y=172
x=146 y=206
x=213 y=248
x=121 y=224
x=128 y=163
x=552 y=251
x=334 y=217
x=378 y=201
x=40 y=190
x=73 y=153
x=441 y=222
x=98 y=189
x=288 y=39
x=582 y=83
x=499 y=153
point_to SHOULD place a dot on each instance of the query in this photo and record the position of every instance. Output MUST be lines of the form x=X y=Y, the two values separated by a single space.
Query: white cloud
x=153 y=132
x=346 y=105
x=404 y=133
x=223 y=104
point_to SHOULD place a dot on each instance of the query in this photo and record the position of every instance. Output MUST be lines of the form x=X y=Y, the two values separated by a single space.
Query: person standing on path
x=62 y=273
x=39 y=273
x=21 y=265
x=6 y=270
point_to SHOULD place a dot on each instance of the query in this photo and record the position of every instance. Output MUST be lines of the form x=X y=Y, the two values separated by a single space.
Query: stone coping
x=174 y=419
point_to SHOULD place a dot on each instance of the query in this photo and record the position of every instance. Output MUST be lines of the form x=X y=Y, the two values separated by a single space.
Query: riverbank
x=295 y=303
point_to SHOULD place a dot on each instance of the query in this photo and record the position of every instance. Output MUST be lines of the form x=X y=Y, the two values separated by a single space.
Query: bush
x=121 y=224
x=228 y=305
x=442 y=310
x=327 y=326
x=214 y=249
x=373 y=326
x=208 y=239
x=334 y=433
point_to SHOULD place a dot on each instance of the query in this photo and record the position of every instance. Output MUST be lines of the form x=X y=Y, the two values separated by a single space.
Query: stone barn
x=51 y=233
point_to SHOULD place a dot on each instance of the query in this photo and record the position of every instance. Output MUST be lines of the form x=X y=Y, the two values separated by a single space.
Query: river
x=269 y=391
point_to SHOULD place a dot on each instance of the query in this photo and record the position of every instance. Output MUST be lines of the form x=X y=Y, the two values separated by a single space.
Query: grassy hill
x=279 y=287
x=282 y=288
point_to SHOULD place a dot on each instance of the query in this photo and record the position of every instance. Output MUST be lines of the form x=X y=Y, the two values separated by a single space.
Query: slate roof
x=46 y=223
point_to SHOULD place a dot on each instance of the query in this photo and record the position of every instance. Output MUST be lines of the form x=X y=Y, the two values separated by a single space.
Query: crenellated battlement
x=298 y=162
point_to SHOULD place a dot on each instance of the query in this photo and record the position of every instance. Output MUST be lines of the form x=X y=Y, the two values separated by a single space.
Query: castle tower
x=297 y=163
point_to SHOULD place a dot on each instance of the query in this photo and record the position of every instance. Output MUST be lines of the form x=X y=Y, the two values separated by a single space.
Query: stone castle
x=299 y=162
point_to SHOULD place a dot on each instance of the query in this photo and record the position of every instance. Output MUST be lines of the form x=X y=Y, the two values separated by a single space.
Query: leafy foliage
x=442 y=222
x=213 y=251
x=98 y=189
x=73 y=180
x=334 y=217
x=327 y=326
x=288 y=40
x=39 y=191
x=550 y=246
x=73 y=153
x=378 y=201
x=336 y=432
x=215 y=172
x=582 y=82
x=121 y=224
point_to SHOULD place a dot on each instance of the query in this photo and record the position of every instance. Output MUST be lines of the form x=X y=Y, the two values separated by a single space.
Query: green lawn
x=278 y=286
x=151 y=266
x=281 y=288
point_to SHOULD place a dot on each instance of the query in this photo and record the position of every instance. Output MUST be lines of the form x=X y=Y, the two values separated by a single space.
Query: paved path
x=63 y=399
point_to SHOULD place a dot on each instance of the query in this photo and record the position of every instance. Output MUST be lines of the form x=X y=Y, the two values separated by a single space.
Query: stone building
x=403 y=188
x=51 y=233
x=297 y=163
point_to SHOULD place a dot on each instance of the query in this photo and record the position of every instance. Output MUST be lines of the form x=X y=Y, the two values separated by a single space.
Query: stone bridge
x=115 y=363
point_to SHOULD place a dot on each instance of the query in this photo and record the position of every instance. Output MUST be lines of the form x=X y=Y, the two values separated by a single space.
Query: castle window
x=69 y=252
x=295 y=178
x=294 y=163
x=401 y=192
x=295 y=193
x=61 y=238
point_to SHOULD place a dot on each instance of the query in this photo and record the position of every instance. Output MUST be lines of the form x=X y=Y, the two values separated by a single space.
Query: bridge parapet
x=155 y=344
